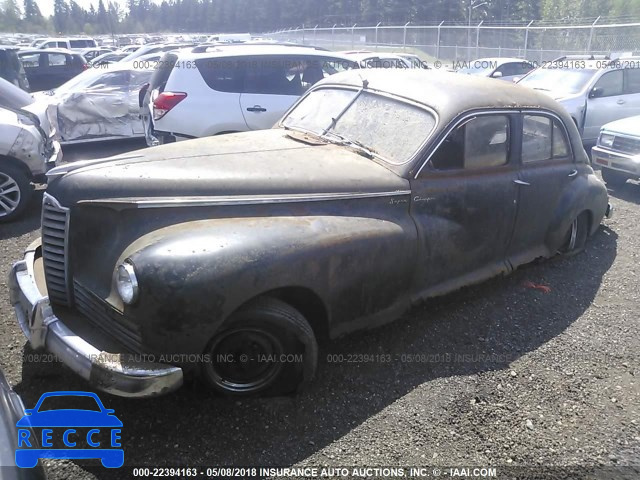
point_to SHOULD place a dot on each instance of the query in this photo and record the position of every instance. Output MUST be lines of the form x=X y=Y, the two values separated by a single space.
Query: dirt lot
x=495 y=375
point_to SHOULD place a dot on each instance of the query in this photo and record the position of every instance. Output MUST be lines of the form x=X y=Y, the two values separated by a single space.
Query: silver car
x=27 y=151
x=618 y=151
x=594 y=91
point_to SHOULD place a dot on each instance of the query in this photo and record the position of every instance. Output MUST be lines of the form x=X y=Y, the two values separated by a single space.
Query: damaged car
x=27 y=151
x=231 y=257
x=99 y=104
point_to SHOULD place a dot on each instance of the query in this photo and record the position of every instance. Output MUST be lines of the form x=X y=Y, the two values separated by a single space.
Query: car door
x=271 y=85
x=605 y=103
x=59 y=69
x=547 y=167
x=35 y=69
x=463 y=203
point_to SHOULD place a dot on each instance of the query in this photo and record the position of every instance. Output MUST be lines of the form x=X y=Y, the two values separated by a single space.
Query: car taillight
x=165 y=102
x=85 y=66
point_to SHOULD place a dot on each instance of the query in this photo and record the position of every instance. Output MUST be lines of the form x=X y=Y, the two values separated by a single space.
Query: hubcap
x=9 y=194
x=245 y=360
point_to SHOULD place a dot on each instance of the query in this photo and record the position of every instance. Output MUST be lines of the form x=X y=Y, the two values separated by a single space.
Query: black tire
x=614 y=178
x=15 y=192
x=576 y=236
x=265 y=348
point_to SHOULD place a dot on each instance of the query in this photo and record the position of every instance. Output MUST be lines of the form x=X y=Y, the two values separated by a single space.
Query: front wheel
x=614 y=178
x=266 y=347
x=576 y=236
x=15 y=192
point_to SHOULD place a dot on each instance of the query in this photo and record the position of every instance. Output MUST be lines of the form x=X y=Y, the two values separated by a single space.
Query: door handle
x=621 y=102
x=573 y=173
x=521 y=182
x=256 y=108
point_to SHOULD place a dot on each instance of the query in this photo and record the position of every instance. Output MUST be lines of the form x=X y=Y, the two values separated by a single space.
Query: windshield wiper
x=344 y=141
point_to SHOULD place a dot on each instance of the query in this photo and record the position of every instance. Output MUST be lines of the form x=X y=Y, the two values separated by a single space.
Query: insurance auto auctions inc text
x=377 y=472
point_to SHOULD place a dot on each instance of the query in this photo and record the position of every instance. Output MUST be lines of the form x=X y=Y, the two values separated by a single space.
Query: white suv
x=211 y=90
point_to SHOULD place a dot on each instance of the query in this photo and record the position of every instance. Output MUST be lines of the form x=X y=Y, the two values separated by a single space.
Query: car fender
x=193 y=276
x=585 y=193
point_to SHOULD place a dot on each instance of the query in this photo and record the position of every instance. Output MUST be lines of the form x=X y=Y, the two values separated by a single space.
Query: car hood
x=626 y=126
x=266 y=163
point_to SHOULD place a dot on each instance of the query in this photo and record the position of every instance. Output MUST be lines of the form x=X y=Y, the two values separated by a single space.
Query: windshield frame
x=403 y=169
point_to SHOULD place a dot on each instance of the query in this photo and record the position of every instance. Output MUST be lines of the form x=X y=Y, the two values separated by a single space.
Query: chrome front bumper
x=621 y=162
x=118 y=374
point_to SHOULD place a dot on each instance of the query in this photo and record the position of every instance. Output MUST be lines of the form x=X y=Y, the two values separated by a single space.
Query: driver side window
x=480 y=142
x=611 y=84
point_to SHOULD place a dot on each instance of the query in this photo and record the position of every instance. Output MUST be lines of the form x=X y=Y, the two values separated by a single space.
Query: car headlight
x=606 y=140
x=127 y=282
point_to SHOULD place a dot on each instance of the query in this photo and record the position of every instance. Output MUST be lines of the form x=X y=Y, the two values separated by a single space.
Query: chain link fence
x=534 y=41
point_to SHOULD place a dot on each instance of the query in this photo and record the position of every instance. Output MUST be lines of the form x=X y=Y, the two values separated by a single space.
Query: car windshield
x=564 y=81
x=390 y=129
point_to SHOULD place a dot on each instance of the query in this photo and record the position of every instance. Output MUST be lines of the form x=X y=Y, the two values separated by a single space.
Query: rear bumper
x=621 y=162
x=118 y=374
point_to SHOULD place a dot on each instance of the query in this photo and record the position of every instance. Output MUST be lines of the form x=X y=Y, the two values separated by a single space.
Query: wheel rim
x=244 y=360
x=9 y=194
x=572 y=235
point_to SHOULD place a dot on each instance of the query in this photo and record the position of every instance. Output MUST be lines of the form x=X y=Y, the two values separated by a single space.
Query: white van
x=72 y=43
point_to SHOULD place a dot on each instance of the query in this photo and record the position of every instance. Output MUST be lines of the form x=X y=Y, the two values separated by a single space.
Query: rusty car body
x=232 y=256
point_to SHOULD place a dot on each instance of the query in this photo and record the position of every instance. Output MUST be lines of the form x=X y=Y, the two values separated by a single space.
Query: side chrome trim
x=158 y=202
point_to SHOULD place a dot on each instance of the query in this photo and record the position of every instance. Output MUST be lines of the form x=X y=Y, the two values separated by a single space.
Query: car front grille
x=103 y=316
x=55 y=225
x=627 y=145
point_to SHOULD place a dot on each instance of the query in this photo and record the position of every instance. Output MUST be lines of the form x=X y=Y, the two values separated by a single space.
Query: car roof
x=48 y=50
x=501 y=60
x=360 y=56
x=445 y=92
x=244 y=50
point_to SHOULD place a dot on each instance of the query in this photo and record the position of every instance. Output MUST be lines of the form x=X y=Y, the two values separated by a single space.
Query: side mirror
x=496 y=75
x=596 y=92
x=28 y=411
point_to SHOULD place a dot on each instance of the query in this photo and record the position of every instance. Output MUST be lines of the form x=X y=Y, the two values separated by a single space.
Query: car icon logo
x=71 y=433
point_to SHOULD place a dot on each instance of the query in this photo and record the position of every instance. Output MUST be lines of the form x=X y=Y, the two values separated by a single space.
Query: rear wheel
x=15 y=192
x=576 y=236
x=266 y=347
x=614 y=178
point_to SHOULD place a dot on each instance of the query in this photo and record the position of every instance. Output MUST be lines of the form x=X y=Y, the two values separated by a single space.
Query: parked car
x=99 y=104
x=11 y=411
x=618 y=151
x=47 y=69
x=92 y=53
x=154 y=48
x=107 y=58
x=70 y=43
x=379 y=60
x=230 y=88
x=232 y=255
x=27 y=151
x=414 y=60
x=594 y=91
x=502 y=68
x=11 y=68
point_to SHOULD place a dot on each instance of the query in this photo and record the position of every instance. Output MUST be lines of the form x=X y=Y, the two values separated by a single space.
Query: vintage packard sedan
x=230 y=257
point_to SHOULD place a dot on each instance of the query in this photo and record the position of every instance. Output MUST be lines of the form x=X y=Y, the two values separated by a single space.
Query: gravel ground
x=498 y=374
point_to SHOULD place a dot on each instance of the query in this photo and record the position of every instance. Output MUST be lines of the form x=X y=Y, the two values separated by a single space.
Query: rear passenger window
x=57 y=59
x=481 y=142
x=31 y=60
x=274 y=75
x=542 y=139
x=223 y=74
